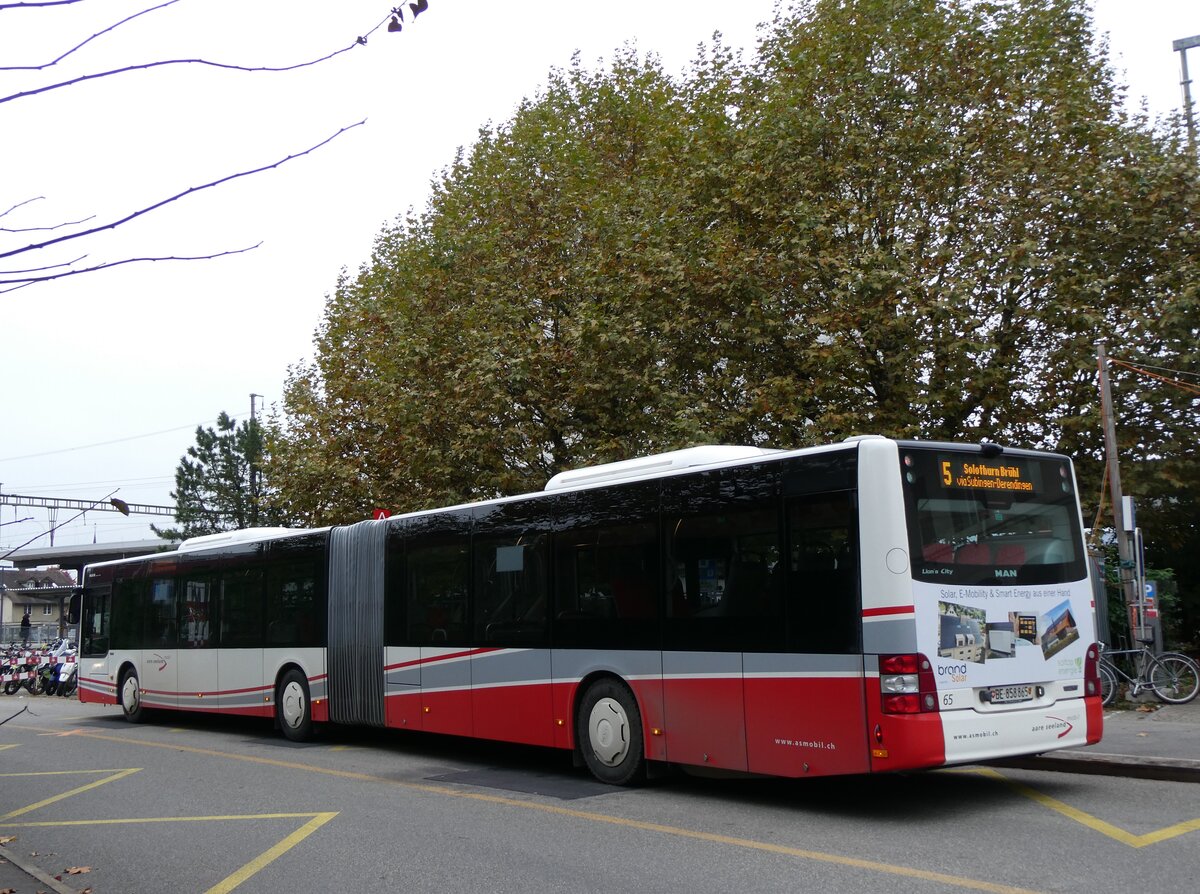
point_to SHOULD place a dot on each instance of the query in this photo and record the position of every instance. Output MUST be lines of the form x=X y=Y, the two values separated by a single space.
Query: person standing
x=25 y=625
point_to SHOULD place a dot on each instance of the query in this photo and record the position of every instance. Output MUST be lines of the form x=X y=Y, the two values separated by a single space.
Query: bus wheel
x=131 y=697
x=292 y=707
x=608 y=733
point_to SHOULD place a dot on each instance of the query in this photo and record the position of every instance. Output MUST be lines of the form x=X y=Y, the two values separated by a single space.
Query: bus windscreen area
x=991 y=520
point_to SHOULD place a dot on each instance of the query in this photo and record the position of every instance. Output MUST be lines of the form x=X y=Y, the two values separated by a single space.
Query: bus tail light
x=1091 y=670
x=906 y=684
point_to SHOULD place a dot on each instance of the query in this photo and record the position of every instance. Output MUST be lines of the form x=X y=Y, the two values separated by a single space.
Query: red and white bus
x=868 y=606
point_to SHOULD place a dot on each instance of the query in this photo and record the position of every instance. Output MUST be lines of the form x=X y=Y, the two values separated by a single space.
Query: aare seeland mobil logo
x=1054 y=723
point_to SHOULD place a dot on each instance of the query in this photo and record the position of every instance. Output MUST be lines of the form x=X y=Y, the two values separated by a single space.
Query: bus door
x=158 y=672
x=197 y=604
x=240 y=673
x=723 y=603
x=438 y=573
x=805 y=705
x=511 y=671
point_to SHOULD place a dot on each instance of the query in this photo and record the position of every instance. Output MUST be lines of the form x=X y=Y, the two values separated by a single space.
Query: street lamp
x=120 y=505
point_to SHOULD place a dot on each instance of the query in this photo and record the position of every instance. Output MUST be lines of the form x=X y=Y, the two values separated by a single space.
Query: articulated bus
x=868 y=606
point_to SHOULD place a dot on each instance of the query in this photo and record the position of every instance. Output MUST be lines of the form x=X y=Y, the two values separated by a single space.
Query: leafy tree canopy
x=910 y=217
x=219 y=485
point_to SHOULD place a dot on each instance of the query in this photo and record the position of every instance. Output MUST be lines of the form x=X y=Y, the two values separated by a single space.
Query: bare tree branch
x=39 y=269
x=86 y=42
x=4 y=6
x=180 y=195
x=25 y=94
x=13 y=279
x=22 y=283
x=19 y=204
x=58 y=226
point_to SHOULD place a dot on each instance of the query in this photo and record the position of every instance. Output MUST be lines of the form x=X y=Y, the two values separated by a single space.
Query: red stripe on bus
x=466 y=653
x=888 y=610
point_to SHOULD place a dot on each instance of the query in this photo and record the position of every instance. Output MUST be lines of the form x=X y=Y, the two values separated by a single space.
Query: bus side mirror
x=73 y=606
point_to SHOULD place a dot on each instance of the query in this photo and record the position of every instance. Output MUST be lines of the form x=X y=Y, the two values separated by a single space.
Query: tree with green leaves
x=910 y=217
x=219 y=485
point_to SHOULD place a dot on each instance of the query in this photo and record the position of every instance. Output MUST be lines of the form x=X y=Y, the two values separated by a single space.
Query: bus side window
x=196 y=612
x=96 y=621
x=824 y=606
x=724 y=558
x=291 y=603
x=510 y=590
x=606 y=568
x=242 y=607
x=161 y=631
x=129 y=599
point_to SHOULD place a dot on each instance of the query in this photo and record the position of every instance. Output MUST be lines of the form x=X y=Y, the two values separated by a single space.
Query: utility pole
x=253 y=460
x=1181 y=47
x=1126 y=573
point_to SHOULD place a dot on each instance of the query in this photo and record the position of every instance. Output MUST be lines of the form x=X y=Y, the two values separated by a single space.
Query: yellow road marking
x=676 y=831
x=59 y=772
x=1105 y=828
x=258 y=863
x=6 y=747
x=141 y=820
x=117 y=774
x=229 y=883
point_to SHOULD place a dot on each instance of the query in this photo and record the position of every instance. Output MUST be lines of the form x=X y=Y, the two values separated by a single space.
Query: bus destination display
x=970 y=472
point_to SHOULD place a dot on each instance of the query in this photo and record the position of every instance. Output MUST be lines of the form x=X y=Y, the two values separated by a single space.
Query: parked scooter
x=68 y=679
x=60 y=656
x=47 y=673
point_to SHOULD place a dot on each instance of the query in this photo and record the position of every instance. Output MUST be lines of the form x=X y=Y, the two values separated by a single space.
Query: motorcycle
x=38 y=663
x=22 y=671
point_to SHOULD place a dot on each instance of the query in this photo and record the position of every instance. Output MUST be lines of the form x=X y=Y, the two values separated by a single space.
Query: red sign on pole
x=377 y=514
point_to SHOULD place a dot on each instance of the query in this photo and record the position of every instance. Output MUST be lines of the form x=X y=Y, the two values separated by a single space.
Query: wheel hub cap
x=608 y=731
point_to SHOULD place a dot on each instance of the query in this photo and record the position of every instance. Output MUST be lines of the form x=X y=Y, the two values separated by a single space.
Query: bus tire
x=608 y=733
x=131 y=697
x=293 y=708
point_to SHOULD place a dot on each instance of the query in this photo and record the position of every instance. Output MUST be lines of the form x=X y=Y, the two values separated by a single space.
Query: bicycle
x=1172 y=677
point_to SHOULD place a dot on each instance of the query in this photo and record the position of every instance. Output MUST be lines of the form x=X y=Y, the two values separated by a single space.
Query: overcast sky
x=104 y=377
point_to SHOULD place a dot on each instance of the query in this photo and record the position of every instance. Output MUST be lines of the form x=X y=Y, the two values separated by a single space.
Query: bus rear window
x=1007 y=519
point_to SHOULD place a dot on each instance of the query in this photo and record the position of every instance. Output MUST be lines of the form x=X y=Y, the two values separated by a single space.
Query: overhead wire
x=1185 y=386
x=9 y=459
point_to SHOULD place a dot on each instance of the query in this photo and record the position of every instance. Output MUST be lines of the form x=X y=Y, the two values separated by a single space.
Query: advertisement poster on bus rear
x=990 y=636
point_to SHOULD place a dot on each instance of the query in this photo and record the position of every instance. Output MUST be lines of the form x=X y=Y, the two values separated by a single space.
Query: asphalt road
x=188 y=803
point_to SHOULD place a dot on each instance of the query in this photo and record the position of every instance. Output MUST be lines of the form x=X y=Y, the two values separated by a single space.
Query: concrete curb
x=1128 y=765
x=35 y=873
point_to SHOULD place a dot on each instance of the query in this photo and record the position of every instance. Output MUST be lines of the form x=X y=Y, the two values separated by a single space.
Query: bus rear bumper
x=973 y=736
